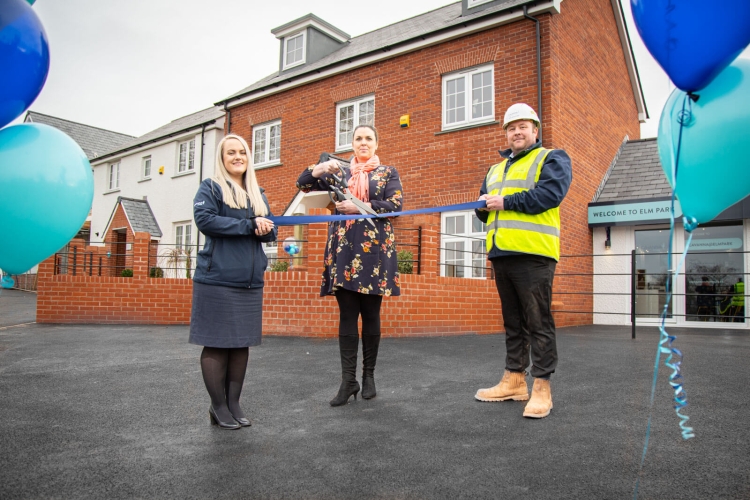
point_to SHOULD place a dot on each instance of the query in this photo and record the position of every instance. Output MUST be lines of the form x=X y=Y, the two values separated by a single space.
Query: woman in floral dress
x=360 y=260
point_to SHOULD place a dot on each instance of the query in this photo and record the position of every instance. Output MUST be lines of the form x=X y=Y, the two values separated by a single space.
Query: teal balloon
x=46 y=190
x=31 y=2
x=712 y=174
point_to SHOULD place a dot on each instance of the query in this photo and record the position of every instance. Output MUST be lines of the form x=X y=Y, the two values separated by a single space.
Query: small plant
x=188 y=262
x=156 y=272
x=280 y=266
x=405 y=264
x=127 y=273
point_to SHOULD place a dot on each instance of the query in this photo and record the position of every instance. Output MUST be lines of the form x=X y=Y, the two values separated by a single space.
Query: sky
x=133 y=66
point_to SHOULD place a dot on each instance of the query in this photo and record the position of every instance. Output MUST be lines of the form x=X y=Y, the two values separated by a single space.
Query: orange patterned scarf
x=359 y=182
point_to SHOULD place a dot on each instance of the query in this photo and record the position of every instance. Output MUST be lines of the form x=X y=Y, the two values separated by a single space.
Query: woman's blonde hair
x=231 y=192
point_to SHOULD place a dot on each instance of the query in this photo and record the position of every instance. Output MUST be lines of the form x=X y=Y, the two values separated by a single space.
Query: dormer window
x=474 y=3
x=294 y=50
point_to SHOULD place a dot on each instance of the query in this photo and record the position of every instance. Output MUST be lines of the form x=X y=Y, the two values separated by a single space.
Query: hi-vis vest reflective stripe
x=515 y=231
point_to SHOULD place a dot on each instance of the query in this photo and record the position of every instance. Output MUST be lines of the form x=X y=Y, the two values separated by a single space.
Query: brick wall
x=429 y=304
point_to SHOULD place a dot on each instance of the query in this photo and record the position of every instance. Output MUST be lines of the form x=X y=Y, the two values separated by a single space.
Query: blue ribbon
x=293 y=220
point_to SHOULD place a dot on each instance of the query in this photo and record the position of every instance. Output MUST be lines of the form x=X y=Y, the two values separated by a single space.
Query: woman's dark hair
x=371 y=127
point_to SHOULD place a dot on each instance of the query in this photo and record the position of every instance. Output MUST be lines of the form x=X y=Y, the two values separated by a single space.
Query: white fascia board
x=627 y=51
x=551 y=6
x=291 y=30
x=219 y=124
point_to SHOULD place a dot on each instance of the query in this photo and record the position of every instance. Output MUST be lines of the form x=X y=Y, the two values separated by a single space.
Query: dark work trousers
x=524 y=283
x=354 y=304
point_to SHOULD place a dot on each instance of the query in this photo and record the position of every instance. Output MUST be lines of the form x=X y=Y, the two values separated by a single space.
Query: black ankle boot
x=370 y=347
x=348 y=347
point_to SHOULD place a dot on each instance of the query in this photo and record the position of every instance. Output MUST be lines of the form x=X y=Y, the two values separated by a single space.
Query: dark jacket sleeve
x=306 y=182
x=206 y=209
x=553 y=184
x=274 y=234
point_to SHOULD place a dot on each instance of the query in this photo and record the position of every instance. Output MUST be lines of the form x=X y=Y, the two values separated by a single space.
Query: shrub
x=405 y=264
x=156 y=272
x=127 y=273
x=280 y=266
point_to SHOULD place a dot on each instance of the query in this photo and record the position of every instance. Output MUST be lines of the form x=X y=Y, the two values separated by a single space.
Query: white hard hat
x=520 y=111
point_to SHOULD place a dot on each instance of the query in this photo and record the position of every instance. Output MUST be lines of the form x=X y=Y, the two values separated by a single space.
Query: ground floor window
x=714 y=275
x=462 y=248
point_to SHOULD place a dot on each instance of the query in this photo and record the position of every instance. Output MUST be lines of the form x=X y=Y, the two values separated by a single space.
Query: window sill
x=145 y=179
x=347 y=149
x=466 y=127
x=268 y=165
x=182 y=174
x=117 y=190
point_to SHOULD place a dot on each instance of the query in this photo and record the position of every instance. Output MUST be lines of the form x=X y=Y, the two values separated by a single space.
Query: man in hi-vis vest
x=523 y=194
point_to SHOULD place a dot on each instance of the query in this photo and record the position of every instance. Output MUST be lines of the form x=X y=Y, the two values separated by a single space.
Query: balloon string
x=665 y=340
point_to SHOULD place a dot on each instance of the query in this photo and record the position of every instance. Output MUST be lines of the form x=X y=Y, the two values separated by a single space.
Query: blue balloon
x=711 y=174
x=24 y=58
x=693 y=40
x=7 y=282
x=46 y=190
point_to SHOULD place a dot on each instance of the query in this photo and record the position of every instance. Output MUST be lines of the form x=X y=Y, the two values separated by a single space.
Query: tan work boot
x=541 y=400
x=512 y=386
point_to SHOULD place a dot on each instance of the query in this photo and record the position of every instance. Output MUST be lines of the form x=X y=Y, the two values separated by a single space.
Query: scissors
x=338 y=191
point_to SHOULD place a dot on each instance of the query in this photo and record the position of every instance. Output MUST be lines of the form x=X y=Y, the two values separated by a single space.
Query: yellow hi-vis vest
x=515 y=231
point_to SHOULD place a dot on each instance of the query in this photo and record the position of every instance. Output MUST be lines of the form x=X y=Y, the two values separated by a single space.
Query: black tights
x=351 y=305
x=224 y=374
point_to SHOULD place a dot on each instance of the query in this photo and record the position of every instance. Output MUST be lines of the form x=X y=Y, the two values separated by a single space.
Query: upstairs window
x=294 y=50
x=468 y=97
x=267 y=144
x=349 y=114
x=114 y=176
x=146 y=167
x=186 y=161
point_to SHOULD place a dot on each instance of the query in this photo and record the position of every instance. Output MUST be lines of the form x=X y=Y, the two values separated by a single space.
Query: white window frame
x=467 y=76
x=473 y=265
x=287 y=64
x=473 y=3
x=271 y=249
x=183 y=234
x=346 y=145
x=268 y=159
x=114 y=176
x=189 y=162
x=146 y=163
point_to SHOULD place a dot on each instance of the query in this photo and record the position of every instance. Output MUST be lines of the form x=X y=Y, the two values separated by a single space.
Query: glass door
x=714 y=275
x=652 y=272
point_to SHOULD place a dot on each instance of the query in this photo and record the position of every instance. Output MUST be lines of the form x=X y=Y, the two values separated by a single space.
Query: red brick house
x=453 y=71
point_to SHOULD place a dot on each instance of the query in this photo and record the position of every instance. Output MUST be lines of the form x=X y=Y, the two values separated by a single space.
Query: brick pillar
x=317 y=234
x=141 y=247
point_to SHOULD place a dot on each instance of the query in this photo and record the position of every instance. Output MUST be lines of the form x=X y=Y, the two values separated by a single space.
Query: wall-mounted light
x=608 y=241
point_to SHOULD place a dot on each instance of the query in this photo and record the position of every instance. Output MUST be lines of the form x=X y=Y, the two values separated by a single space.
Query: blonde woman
x=230 y=209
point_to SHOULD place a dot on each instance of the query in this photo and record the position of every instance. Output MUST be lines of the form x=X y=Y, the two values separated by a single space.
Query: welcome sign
x=625 y=213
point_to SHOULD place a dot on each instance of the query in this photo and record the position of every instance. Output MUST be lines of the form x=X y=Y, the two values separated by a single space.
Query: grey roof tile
x=636 y=174
x=93 y=140
x=140 y=216
x=175 y=126
x=388 y=36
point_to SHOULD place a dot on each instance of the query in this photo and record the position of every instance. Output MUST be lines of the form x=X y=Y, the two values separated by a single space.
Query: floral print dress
x=359 y=257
